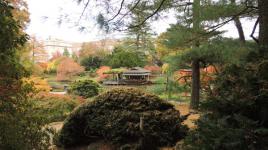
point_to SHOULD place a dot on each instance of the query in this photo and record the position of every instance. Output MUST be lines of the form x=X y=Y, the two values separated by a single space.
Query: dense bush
x=84 y=88
x=54 y=107
x=124 y=116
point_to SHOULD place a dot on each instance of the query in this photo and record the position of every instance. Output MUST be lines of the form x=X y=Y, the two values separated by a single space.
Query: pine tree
x=66 y=52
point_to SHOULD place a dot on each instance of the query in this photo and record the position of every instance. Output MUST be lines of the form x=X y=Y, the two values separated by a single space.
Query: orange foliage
x=153 y=69
x=56 y=55
x=68 y=68
x=207 y=74
x=43 y=65
x=184 y=75
x=100 y=72
x=209 y=70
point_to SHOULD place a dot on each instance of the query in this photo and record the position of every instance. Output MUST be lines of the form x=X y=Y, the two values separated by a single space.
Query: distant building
x=53 y=46
x=107 y=45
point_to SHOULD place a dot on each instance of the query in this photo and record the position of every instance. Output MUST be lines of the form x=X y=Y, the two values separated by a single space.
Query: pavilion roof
x=136 y=71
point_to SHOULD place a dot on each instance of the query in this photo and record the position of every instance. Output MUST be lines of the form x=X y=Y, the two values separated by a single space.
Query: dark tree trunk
x=195 y=63
x=240 y=29
x=138 y=41
x=239 y=26
x=263 y=26
x=195 y=84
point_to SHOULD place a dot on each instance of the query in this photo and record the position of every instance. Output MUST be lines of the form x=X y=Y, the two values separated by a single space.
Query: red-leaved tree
x=68 y=68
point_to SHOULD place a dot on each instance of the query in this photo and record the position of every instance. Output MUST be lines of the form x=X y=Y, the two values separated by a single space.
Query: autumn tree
x=56 y=55
x=67 y=69
x=20 y=12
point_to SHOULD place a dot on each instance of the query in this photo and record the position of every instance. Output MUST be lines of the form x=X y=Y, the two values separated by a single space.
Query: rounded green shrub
x=85 y=88
x=123 y=117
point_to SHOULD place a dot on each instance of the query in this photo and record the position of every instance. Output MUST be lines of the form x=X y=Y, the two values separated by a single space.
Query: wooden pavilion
x=132 y=76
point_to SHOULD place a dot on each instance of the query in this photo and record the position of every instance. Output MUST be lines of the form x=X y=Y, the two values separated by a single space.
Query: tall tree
x=66 y=52
x=195 y=63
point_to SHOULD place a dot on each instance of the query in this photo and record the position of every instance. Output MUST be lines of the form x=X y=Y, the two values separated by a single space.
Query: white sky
x=52 y=9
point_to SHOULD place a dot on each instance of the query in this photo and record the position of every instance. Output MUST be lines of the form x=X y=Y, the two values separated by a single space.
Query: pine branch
x=151 y=15
x=121 y=6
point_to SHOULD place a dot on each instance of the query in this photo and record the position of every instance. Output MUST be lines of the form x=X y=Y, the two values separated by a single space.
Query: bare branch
x=254 y=29
x=135 y=5
x=84 y=9
x=121 y=6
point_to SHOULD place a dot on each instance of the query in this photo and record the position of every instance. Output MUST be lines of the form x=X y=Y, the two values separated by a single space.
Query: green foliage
x=218 y=51
x=116 y=116
x=53 y=107
x=168 y=90
x=115 y=71
x=124 y=58
x=91 y=62
x=85 y=88
x=236 y=110
x=19 y=127
x=66 y=53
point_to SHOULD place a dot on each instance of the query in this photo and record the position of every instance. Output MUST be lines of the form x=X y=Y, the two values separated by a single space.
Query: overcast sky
x=45 y=13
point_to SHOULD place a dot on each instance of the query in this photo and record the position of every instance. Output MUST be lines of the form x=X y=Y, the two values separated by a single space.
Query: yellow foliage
x=38 y=83
x=165 y=68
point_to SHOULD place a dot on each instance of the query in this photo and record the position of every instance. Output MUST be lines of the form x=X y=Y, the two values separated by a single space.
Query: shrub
x=85 y=88
x=101 y=71
x=123 y=116
x=54 y=107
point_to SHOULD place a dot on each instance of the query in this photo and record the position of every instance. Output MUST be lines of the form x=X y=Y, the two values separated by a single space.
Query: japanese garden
x=134 y=75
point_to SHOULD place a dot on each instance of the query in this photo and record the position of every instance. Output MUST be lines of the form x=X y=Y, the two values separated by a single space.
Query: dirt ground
x=184 y=109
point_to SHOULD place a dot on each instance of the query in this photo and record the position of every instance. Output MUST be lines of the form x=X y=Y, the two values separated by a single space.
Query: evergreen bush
x=85 y=88
x=123 y=117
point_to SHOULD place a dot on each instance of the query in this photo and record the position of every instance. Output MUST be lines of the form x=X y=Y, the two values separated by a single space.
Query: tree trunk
x=239 y=26
x=195 y=84
x=240 y=29
x=195 y=63
x=263 y=26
